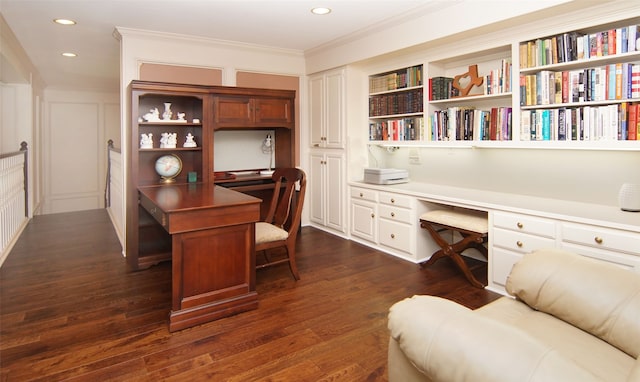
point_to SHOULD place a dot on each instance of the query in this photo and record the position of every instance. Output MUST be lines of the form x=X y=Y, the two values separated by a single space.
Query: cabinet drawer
x=501 y=263
x=395 y=199
x=519 y=242
x=364 y=194
x=394 y=213
x=525 y=223
x=621 y=259
x=601 y=237
x=396 y=235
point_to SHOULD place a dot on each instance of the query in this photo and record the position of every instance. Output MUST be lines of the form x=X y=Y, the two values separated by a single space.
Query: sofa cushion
x=598 y=297
x=588 y=351
x=448 y=342
x=634 y=376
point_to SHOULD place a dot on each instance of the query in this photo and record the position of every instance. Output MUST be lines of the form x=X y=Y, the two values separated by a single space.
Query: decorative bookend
x=474 y=80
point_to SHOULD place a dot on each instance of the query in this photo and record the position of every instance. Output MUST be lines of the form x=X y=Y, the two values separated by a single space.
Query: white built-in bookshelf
x=578 y=89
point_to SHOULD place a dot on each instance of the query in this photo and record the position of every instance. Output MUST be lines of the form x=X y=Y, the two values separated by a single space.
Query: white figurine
x=172 y=142
x=168 y=140
x=164 y=140
x=146 y=141
x=166 y=116
x=189 y=142
x=181 y=117
x=152 y=116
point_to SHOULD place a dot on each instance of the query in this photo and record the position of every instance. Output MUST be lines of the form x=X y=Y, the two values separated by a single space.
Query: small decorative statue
x=146 y=141
x=181 y=117
x=166 y=116
x=152 y=116
x=168 y=140
x=190 y=142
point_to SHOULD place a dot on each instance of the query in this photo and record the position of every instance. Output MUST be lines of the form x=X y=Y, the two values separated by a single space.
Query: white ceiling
x=281 y=23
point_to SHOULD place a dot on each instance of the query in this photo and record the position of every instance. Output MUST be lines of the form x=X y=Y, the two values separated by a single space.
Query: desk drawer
x=519 y=242
x=397 y=214
x=154 y=211
x=396 y=235
x=601 y=237
x=364 y=194
x=395 y=199
x=525 y=223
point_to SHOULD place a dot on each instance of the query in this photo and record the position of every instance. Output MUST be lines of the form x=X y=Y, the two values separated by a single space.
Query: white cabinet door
x=364 y=222
x=334 y=99
x=327 y=110
x=316 y=188
x=316 y=110
x=326 y=190
x=334 y=191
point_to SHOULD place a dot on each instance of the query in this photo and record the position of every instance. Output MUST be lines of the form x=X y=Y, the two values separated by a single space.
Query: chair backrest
x=285 y=209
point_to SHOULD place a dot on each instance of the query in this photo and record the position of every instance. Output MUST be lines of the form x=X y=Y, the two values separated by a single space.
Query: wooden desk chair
x=473 y=227
x=280 y=227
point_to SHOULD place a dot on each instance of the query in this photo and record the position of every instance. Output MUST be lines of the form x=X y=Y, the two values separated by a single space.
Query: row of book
x=588 y=123
x=574 y=46
x=497 y=81
x=401 y=129
x=410 y=101
x=468 y=123
x=610 y=82
x=410 y=77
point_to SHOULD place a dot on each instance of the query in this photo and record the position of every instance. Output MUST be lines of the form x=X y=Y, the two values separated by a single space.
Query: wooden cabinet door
x=277 y=111
x=233 y=111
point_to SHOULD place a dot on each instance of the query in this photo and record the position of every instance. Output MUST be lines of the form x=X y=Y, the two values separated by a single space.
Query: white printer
x=385 y=175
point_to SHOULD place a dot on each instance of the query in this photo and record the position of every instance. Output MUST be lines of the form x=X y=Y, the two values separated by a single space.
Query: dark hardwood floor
x=70 y=311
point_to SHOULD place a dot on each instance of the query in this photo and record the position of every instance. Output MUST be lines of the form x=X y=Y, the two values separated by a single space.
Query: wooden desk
x=213 y=258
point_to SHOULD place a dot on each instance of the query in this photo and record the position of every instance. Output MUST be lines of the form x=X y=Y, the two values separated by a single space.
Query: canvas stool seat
x=472 y=226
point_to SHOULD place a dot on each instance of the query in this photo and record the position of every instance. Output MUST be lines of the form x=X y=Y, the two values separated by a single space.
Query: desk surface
x=490 y=200
x=192 y=196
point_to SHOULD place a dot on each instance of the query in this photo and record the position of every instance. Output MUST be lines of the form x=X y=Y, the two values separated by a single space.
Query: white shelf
x=400 y=90
x=472 y=98
x=585 y=63
x=535 y=145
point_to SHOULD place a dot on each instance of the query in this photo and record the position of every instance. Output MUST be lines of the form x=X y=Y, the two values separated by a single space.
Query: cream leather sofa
x=572 y=319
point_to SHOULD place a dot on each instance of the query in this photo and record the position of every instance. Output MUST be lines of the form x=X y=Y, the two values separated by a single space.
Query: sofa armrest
x=448 y=342
x=595 y=296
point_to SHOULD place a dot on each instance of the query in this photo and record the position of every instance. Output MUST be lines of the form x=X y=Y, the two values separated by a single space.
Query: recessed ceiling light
x=69 y=54
x=320 y=10
x=64 y=22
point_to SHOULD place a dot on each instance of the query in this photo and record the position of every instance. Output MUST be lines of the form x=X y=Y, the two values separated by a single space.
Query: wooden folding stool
x=473 y=227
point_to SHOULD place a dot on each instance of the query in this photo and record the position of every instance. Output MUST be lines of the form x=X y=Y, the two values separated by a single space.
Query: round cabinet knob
x=520 y=225
x=373 y=216
x=598 y=239
x=393 y=214
x=393 y=236
x=361 y=194
x=519 y=244
x=393 y=200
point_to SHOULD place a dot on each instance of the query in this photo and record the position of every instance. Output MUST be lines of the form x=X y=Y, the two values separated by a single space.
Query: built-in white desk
x=386 y=217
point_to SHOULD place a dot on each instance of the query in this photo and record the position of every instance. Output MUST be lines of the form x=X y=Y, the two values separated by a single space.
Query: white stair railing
x=14 y=213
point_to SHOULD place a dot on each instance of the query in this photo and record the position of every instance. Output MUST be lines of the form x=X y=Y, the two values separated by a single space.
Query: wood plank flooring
x=69 y=311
